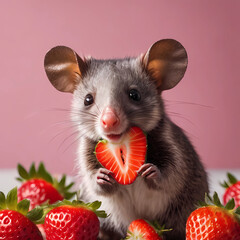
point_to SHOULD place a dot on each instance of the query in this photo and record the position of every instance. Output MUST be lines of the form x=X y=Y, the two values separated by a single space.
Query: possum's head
x=110 y=96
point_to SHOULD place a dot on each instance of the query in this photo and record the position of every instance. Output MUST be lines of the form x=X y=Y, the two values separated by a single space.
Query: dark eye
x=88 y=100
x=134 y=95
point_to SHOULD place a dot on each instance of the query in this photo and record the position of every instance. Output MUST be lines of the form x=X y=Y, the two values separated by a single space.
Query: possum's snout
x=112 y=125
x=109 y=119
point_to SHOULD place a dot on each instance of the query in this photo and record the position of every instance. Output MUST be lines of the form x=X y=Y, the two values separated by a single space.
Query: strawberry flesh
x=124 y=158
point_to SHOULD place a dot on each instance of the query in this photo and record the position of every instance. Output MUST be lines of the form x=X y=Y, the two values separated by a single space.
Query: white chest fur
x=130 y=202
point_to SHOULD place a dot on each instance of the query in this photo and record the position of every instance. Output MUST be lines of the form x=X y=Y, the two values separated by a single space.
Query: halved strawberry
x=124 y=158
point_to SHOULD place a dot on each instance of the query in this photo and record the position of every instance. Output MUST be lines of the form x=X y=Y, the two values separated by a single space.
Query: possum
x=109 y=97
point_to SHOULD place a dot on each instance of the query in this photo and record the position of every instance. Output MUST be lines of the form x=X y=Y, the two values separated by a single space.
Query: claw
x=149 y=171
x=104 y=176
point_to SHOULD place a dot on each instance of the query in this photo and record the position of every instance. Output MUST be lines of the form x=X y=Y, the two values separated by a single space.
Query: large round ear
x=166 y=62
x=64 y=68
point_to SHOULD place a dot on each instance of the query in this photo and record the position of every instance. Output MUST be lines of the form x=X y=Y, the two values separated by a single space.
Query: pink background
x=205 y=103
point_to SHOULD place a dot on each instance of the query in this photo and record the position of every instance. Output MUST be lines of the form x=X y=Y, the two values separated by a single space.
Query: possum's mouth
x=114 y=137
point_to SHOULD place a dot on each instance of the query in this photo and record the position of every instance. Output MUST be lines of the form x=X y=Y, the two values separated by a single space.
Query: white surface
x=8 y=181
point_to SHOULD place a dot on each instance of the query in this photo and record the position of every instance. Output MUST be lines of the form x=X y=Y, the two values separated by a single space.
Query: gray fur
x=183 y=180
x=177 y=180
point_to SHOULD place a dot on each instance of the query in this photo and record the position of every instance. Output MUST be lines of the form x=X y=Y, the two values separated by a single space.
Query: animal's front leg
x=105 y=183
x=151 y=174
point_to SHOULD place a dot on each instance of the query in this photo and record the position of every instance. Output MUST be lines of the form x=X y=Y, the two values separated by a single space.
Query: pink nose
x=109 y=119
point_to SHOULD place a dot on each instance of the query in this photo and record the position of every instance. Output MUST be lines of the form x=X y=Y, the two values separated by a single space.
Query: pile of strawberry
x=41 y=207
x=63 y=220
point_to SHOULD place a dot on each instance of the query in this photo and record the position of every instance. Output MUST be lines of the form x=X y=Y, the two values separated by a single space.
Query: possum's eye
x=134 y=95
x=88 y=100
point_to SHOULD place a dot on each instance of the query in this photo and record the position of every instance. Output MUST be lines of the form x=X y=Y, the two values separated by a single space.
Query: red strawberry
x=16 y=223
x=39 y=186
x=232 y=190
x=214 y=222
x=73 y=220
x=123 y=159
x=142 y=230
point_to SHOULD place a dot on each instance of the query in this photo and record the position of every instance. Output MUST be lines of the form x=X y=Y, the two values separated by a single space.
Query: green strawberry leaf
x=2 y=201
x=69 y=195
x=94 y=205
x=216 y=200
x=208 y=199
x=101 y=214
x=230 y=204
x=11 y=201
x=32 y=171
x=20 y=179
x=23 y=206
x=237 y=214
x=44 y=174
x=22 y=172
x=77 y=203
x=231 y=178
x=66 y=202
x=201 y=204
x=62 y=181
x=237 y=211
x=224 y=184
x=158 y=228
x=155 y=224
x=35 y=214
x=69 y=186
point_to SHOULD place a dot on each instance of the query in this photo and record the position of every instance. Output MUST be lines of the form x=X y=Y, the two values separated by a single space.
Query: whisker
x=59 y=109
x=64 y=130
x=69 y=123
x=180 y=116
x=82 y=112
x=98 y=108
x=61 y=144
x=77 y=139
x=188 y=103
x=73 y=111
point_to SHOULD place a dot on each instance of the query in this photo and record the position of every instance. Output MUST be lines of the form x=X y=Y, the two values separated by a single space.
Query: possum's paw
x=105 y=181
x=151 y=174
